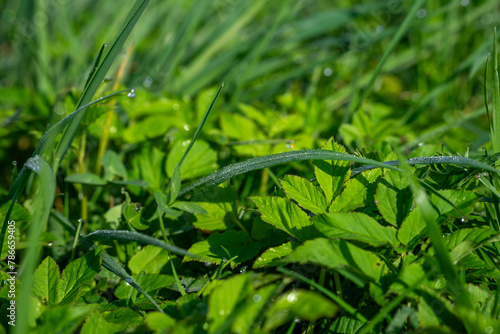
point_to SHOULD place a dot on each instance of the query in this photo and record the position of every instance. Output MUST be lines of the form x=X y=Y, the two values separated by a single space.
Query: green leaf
x=95 y=323
x=78 y=273
x=346 y=325
x=151 y=283
x=113 y=165
x=201 y=160
x=62 y=319
x=331 y=175
x=411 y=227
x=220 y=204
x=335 y=254
x=304 y=193
x=150 y=166
x=46 y=278
x=85 y=178
x=410 y=276
x=394 y=197
x=190 y=207
x=151 y=259
x=353 y=196
x=355 y=226
x=464 y=200
x=161 y=201
x=303 y=304
x=159 y=322
x=225 y=297
x=175 y=183
x=213 y=249
x=272 y=255
x=286 y=216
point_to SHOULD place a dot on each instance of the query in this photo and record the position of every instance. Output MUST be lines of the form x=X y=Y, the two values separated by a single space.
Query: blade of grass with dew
x=46 y=190
x=107 y=261
x=47 y=140
x=107 y=235
x=314 y=154
x=98 y=77
x=390 y=48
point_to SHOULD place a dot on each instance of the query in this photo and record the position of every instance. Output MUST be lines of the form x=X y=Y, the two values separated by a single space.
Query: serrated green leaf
x=306 y=305
x=271 y=255
x=355 y=226
x=78 y=273
x=286 y=216
x=331 y=174
x=46 y=278
x=464 y=200
x=356 y=193
x=95 y=323
x=393 y=197
x=150 y=164
x=346 y=325
x=411 y=227
x=304 y=193
x=213 y=249
x=201 y=160
x=336 y=254
x=85 y=178
x=190 y=207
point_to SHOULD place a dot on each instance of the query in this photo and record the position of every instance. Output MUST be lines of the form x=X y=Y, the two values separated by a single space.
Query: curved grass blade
x=107 y=261
x=47 y=139
x=281 y=158
x=277 y=159
x=457 y=160
x=112 y=235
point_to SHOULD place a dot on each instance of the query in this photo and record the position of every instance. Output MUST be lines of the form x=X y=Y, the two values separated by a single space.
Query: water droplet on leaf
x=131 y=93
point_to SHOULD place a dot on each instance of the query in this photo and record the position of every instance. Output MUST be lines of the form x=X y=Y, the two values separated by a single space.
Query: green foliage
x=345 y=180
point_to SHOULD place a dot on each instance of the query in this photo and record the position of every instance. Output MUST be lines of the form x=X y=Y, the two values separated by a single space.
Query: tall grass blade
x=495 y=105
x=98 y=77
x=390 y=48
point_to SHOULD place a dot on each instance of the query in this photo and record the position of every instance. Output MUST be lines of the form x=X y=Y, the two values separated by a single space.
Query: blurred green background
x=293 y=72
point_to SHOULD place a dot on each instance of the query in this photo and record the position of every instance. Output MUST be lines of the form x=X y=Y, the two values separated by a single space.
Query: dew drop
x=128 y=280
x=183 y=286
x=131 y=93
x=105 y=44
x=243 y=270
x=50 y=244
x=14 y=163
x=297 y=320
x=34 y=163
x=257 y=298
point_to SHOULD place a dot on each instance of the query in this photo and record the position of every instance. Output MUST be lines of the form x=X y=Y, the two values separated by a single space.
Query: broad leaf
x=411 y=227
x=200 y=161
x=304 y=193
x=46 y=278
x=335 y=254
x=286 y=216
x=394 y=197
x=220 y=204
x=355 y=226
x=95 y=323
x=331 y=174
x=77 y=273
x=213 y=249
x=272 y=255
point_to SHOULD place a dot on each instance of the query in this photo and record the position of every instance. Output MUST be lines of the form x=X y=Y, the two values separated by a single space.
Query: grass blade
x=392 y=45
x=98 y=77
